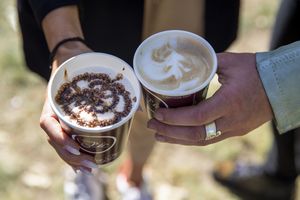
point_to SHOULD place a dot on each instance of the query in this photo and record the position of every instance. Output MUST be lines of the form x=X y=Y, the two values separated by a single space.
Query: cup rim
x=173 y=93
x=95 y=129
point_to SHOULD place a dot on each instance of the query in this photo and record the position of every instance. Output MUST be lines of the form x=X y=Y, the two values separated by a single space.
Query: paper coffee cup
x=154 y=96
x=104 y=143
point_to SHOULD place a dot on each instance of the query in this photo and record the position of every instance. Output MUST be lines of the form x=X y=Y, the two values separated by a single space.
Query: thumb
x=203 y=113
x=226 y=63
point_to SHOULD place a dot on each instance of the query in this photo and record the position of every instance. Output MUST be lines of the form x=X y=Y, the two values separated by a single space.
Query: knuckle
x=199 y=116
x=225 y=97
x=165 y=115
x=49 y=141
x=198 y=134
x=230 y=99
x=43 y=122
x=69 y=158
x=161 y=128
x=65 y=156
x=52 y=143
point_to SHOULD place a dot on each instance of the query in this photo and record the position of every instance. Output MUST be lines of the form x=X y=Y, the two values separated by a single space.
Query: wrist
x=263 y=93
x=68 y=50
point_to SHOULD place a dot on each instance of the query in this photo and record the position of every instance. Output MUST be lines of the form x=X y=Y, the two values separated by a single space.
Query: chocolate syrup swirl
x=100 y=95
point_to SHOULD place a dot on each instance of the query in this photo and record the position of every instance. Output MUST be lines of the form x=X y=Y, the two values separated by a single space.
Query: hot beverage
x=175 y=68
x=174 y=65
x=94 y=99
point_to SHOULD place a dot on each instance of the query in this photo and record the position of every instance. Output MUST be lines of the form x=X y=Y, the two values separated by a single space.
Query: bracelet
x=56 y=47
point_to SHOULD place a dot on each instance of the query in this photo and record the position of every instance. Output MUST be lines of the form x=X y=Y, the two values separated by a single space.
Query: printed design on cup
x=107 y=158
x=154 y=102
x=95 y=144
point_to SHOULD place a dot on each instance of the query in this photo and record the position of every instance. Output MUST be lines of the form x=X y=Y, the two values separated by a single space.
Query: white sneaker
x=129 y=192
x=82 y=186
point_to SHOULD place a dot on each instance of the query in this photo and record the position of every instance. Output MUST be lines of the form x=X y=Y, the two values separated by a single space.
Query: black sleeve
x=285 y=29
x=42 y=7
x=221 y=22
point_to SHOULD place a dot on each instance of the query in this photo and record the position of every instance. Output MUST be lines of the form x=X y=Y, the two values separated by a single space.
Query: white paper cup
x=154 y=97
x=104 y=143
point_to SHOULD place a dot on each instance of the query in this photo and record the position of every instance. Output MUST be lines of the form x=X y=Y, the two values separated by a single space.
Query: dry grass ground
x=31 y=170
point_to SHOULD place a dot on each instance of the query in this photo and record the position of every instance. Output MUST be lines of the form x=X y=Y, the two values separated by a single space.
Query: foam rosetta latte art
x=174 y=65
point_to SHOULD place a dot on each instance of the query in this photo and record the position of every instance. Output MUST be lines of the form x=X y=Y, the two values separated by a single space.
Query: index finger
x=203 y=113
x=50 y=124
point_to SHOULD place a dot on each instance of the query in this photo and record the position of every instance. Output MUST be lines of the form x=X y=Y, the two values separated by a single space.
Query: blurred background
x=30 y=169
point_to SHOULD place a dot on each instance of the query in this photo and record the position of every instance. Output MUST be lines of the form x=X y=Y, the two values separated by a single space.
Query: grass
x=30 y=168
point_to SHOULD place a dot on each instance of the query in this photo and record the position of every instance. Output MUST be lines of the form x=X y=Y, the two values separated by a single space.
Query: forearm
x=60 y=24
x=280 y=71
x=41 y=8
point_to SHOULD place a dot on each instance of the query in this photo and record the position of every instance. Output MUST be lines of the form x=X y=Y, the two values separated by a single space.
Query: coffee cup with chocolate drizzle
x=95 y=96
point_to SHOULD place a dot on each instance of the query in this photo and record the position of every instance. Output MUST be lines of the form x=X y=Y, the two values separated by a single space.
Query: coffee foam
x=173 y=64
x=86 y=118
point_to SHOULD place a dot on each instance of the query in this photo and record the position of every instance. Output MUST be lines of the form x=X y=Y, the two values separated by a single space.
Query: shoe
x=84 y=186
x=129 y=192
x=251 y=182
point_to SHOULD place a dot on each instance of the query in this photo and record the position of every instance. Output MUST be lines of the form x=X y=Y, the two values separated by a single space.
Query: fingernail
x=160 y=138
x=72 y=150
x=89 y=164
x=158 y=116
x=85 y=171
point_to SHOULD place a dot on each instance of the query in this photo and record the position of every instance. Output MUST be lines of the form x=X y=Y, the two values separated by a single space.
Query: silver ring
x=211 y=131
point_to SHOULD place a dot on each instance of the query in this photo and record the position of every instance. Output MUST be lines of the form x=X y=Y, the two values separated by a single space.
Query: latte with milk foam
x=95 y=99
x=176 y=64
